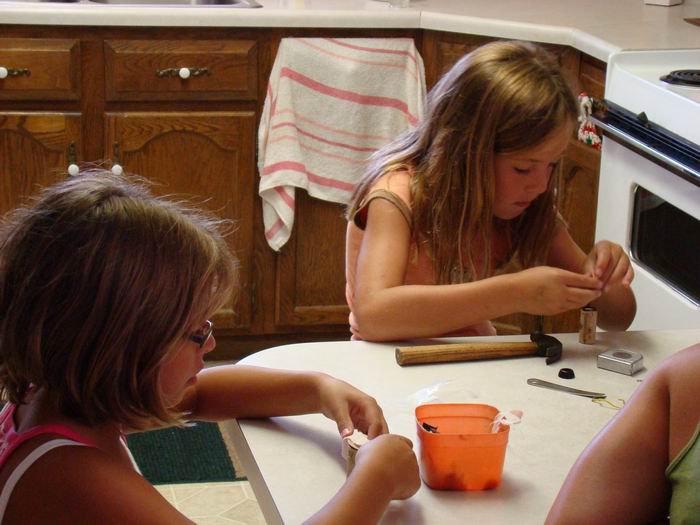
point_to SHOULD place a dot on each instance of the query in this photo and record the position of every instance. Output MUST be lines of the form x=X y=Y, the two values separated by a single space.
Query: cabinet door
x=441 y=51
x=35 y=150
x=310 y=280
x=206 y=158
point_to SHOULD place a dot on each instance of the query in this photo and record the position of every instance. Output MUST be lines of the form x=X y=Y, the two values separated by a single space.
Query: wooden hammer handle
x=415 y=355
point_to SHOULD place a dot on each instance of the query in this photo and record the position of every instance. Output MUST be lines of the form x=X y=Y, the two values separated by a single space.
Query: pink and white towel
x=330 y=104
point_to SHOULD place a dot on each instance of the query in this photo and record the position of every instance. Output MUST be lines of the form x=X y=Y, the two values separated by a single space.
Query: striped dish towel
x=330 y=104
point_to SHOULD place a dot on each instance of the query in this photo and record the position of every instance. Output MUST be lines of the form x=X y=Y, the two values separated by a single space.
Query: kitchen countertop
x=294 y=463
x=596 y=27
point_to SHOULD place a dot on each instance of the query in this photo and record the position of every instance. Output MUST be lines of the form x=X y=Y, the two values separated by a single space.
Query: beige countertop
x=596 y=27
x=294 y=463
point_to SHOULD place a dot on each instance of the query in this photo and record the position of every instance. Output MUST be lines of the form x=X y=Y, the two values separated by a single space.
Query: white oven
x=649 y=190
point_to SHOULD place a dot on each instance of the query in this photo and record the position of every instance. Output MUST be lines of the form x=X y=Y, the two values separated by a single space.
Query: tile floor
x=227 y=503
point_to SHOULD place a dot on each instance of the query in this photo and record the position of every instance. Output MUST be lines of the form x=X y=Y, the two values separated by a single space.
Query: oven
x=649 y=189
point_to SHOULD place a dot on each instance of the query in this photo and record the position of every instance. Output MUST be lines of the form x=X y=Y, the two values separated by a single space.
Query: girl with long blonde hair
x=455 y=222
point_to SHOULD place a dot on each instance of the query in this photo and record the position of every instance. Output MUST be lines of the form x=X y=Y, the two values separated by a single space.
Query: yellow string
x=605 y=403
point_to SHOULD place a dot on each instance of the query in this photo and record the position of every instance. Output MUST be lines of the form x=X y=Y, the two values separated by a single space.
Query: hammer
x=542 y=346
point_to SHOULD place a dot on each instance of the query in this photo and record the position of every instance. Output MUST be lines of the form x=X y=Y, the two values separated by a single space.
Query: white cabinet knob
x=73 y=170
x=117 y=169
x=3 y=72
x=184 y=73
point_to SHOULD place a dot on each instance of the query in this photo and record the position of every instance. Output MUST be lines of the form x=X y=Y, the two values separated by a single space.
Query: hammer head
x=547 y=346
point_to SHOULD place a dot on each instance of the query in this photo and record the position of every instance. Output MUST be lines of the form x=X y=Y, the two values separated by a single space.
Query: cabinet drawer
x=154 y=70
x=45 y=69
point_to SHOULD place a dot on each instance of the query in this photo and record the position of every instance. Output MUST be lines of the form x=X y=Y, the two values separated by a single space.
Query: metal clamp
x=553 y=386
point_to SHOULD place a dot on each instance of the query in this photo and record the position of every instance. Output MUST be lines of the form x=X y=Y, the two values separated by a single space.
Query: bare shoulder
x=682 y=371
x=79 y=484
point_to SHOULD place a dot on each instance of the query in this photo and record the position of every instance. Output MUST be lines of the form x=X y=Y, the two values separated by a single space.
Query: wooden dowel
x=414 y=355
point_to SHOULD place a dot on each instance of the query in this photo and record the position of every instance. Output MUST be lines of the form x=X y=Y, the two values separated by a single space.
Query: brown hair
x=99 y=280
x=500 y=98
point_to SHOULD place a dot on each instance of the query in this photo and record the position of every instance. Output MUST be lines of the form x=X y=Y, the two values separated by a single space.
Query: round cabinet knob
x=73 y=170
x=184 y=73
x=3 y=72
x=117 y=169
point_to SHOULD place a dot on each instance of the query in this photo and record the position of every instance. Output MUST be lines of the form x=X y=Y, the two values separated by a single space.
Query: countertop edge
x=83 y=14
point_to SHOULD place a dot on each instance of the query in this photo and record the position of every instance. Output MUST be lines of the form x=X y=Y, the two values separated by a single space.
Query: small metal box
x=622 y=361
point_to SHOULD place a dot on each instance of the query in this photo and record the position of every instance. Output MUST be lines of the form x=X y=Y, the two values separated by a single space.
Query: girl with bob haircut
x=455 y=222
x=105 y=292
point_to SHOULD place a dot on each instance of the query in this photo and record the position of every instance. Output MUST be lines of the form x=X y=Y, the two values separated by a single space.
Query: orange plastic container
x=463 y=454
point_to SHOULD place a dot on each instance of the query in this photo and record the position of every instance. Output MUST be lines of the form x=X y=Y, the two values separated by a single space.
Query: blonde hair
x=99 y=281
x=500 y=98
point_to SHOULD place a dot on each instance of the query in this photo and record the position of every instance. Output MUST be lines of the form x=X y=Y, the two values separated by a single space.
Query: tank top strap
x=27 y=462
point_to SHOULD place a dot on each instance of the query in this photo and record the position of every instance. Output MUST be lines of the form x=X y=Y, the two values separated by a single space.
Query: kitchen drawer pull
x=14 y=72
x=182 y=72
x=117 y=168
x=73 y=168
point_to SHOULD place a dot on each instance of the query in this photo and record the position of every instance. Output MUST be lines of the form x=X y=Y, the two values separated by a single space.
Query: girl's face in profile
x=179 y=371
x=522 y=176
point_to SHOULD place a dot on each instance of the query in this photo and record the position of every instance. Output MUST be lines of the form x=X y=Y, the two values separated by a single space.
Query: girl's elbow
x=366 y=324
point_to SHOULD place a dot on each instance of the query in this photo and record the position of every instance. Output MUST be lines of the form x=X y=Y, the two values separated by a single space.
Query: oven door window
x=665 y=242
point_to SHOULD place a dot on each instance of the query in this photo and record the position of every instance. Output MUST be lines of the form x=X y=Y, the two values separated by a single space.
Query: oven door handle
x=639 y=143
x=640 y=146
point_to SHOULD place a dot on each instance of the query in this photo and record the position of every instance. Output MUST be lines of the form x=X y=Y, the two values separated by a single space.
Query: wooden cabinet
x=207 y=158
x=181 y=70
x=35 y=150
x=37 y=143
x=310 y=280
x=170 y=106
x=180 y=107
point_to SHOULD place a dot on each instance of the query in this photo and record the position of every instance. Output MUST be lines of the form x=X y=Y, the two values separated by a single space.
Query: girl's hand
x=390 y=458
x=548 y=291
x=608 y=262
x=350 y=408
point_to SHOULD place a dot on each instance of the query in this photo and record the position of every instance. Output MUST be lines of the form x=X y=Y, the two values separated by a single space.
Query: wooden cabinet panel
x=310 y=280
x=592 y=76
x=149 y=69
x=442 y=50
x=207 y=158
x=161 y=132
x=578 y=192
x=46 y=69
x=34 y=151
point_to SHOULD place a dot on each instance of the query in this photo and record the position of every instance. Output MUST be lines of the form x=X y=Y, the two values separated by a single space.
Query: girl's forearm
x=410 y=311
x=225 y=392
x=362 y=499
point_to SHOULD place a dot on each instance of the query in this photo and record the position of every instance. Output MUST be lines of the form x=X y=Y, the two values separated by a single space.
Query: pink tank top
x=419 y=270
x=10 y=439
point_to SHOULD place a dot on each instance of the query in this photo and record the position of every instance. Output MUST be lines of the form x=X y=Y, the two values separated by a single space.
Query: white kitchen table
x=294 y=463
